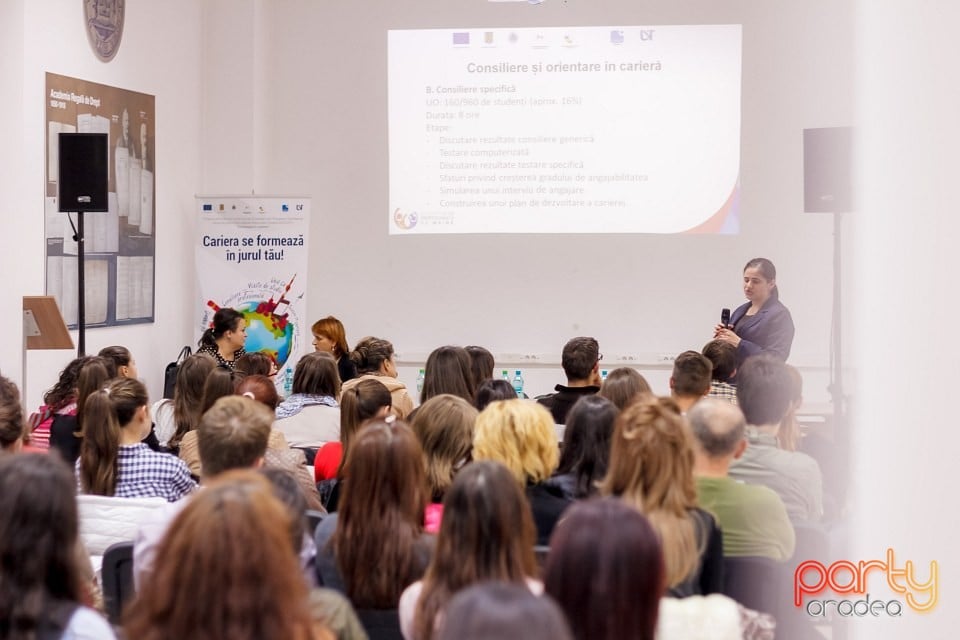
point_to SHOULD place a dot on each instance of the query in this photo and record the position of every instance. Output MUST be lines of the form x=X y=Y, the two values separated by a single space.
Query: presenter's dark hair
x=370 y=353
x=493 y=390
x=481 y=364
x=767 y=270
x=764 y=389
x=586 y=443
x=224 y=320
x=605 y=570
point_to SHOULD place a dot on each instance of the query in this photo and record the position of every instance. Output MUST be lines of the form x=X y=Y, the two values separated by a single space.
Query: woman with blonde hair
x=651 y=468
x=487 y=534
x=232 y=544
x=113 y=459
x=520 y=435
x=376 y=360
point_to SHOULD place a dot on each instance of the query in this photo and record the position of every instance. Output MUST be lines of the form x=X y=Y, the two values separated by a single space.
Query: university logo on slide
x=846 y=577
x=405 y=220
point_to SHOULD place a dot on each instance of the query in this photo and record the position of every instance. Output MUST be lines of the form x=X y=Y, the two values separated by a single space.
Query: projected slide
x=565 y=130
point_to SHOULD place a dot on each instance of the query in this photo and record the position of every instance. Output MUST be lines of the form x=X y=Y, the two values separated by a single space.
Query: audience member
x=586 y=447
x=491 y=391
x=752 y=517
x=374 y=545
x=520 y=435
x=310 y=417
x=12 y=426
x=444 y=426
x=122 y=359
x=231 y=544
x=651 y=467
x=788 y=437
x=330 y=336
x=764 y=393
x=497 y=610
x=375 y=359
x=233 y=434
x=448 y=371
x=175 y=417
x=41 y=590
x=260 y=388
x=255 y=363
x=113 y=459
x=66 y=431
x=487 y=534
x=624 y=386
x=225 y=338
x=690 y=379
x=581 y=364
x=481 y=364
x=60 y=399
x=723 y=358
x=220 y=382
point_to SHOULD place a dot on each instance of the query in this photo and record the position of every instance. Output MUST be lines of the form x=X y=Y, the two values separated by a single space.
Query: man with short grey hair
x=752 y=517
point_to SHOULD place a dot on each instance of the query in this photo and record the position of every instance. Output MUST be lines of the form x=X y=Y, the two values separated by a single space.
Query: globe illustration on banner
x=267 y=333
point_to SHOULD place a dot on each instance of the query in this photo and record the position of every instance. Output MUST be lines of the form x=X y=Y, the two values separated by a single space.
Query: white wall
x=160 y=54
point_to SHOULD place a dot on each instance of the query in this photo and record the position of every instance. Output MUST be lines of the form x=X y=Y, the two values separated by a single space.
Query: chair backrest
x=117 y=579
x=381 y=624
x=754 y=582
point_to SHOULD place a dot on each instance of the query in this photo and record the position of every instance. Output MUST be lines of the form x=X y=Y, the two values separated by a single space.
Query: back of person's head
x=38 y=535
x=764 y=390
x=106 y=412
x=333 y=330
x=287 y=490
x=255 y=363
x=233 y=434
x=12 y=426
x=496 y=610
x=120 y=356
x=586 y=442
x=93 y=376
x=444 y=426
x=370 y=353
x=519 y=434
x=788 y=435
x=231 y=543
x=691 y=374
x=605 y=570
x=260 y=388
x=651 y=467
x=723 y=357
x=317 y=375
x=624 y=386
x=224 y=320
x=380 y=514
x=448 y=371
x=188 y=393
x=491 y=391
x=220 y=382
x=717 y=427
x=487 y=533
x=366 y=400
x=481 y=363
x=65 y=390
x=579 y=357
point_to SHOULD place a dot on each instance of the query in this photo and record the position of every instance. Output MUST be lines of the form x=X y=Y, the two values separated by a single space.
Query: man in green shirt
x=752 y=517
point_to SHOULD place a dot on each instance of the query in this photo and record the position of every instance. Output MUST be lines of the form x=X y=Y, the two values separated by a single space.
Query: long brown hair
x=359 y=403
x=444 y=426
x=380 y=515
x=232 y=545
x=106 y=412
x=94 y=373
x=651 y=467
x=188 y=394
x=487 y=533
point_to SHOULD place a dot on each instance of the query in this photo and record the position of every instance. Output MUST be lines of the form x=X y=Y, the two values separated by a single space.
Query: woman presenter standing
x=763 y=324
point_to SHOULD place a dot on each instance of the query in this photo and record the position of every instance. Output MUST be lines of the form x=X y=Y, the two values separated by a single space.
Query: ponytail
x=207 y=339
x=358 y=404
x=101 y=441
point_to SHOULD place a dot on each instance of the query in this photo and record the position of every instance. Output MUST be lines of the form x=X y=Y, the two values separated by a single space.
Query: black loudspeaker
x=83 y=172
x=827 y=170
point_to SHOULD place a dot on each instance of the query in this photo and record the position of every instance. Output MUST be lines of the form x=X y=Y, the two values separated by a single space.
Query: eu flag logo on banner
x=208 y=207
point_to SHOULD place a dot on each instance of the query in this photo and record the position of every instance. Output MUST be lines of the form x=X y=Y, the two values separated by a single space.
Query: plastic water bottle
x=518 y=383
x=287 y=382
x=506 y=375
x=420 y=377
